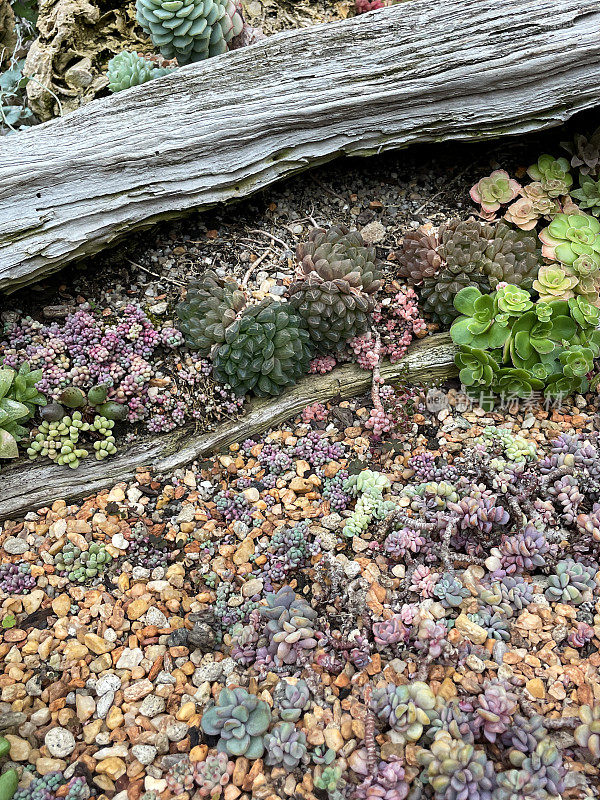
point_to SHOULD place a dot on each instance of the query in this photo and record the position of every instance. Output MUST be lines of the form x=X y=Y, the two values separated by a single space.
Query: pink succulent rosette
x=495 y=190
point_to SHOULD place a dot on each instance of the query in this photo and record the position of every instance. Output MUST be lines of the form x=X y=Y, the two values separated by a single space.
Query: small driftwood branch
x=421 y=71
x=28 y=486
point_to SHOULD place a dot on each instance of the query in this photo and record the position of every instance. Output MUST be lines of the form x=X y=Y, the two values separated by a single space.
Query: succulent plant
x=456 y=720
x=455 y=770
x=240 y=720
x=494 y=709
x=462 y=246
x=481 y=322
x=83 y=565
x=450 y=591
x=128 y=69
x=322 y=754
x=584 y=152
x=212 y=775
x=478 y=512
x=266 y=350
x=329 y=779
x=180 y=777
x=285 y=746
x=512 y=256
x=524 y=551
x=577 y=361
x=291 y=699
x=508 y=595
x=584 y=313
x=211 y=305
x=58 y=441
x=528 y=209
x=388 y=783
x=523 y=214
x=477 y=367
x=525 y=733
x=572 y=582
x=12 y=413
x=541 y=772
x=569 y=236
x=553 y=174
x=495 y=190
x=406 y=709
x=367 y=482
x=22 y=388
x=369 y=486
x=190 y=30
x=495 y=625
x=588 y=194
x=587 y=734
x=390 y=631
x=417 y=256
x=338 y=277
x=290 y=625
x=533 y=340
x=514 y=447
x=554 y=283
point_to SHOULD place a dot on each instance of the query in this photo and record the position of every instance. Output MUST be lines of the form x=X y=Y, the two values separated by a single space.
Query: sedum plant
x=588 y=194
x=511 y=345
x=369 y=487
x=240 y=720
x=571 y=583
x=407 y=709
x=569 y=236
x=584 y=152
x=212 y=775
x=495 y=190
x=587 y=734
x=456 y=770
x=190 y=30
x=285 y=746
x=553 y=174
x=554 y=283
x=128 y=69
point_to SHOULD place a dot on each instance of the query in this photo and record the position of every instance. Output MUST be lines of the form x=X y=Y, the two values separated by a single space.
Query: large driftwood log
x=27 y=486
x=421 y=71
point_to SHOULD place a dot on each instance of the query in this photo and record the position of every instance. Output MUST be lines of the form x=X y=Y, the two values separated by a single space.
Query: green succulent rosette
x=477 y=367
x=569 y=236
x=533 y=340
x=553 y=174
x=583 y=312
x=481 y=323
x=554 y=282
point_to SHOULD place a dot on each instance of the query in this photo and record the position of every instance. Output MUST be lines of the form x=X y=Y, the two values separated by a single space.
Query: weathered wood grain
x=28 y=486
x=421 y=71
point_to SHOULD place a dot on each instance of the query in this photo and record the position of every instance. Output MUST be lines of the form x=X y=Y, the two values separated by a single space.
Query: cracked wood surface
x=421 y=71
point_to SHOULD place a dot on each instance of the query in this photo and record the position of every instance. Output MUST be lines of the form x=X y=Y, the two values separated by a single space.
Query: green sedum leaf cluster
x=511 y=345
